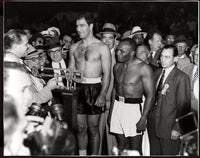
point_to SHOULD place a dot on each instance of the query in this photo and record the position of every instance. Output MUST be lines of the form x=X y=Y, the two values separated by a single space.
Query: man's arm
x=71 y=58
x=183 y=93
x=149 y=89
x=112 y=99
x=111 y=105
x=45 y=94
x=106 y=68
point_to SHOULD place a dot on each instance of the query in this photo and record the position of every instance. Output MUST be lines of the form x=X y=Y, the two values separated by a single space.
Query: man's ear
x=133 y=53
x=91 y=26
x=149 y=41
x=61 y=43
x=176 y=59
x=14 y=46
x=33 y=43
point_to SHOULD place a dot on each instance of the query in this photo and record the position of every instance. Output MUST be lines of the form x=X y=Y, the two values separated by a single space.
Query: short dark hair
x=131 y=42
x=152 y=33
x=13 y=36
x=145 y=45
x=173 y=47
x=88 y=16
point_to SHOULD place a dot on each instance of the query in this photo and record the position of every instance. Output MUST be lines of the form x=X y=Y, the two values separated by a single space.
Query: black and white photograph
x=100 y=78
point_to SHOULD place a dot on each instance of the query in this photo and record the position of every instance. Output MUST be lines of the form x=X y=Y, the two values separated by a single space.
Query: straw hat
x=108 y=28
x=137 y=31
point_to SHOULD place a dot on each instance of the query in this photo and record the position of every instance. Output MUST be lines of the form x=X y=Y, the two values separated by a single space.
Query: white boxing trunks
x=124 y=118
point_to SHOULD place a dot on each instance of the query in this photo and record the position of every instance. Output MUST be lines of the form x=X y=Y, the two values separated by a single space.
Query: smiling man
x=133 y=79
x=92 y=58
x=108 y=36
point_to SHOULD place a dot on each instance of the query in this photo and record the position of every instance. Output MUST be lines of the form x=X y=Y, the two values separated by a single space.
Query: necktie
x=161 y=81
x=159 y=88
x=151 y=57
x=62 y=71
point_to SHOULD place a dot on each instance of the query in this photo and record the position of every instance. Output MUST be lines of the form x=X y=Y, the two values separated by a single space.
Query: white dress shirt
x=167 y=72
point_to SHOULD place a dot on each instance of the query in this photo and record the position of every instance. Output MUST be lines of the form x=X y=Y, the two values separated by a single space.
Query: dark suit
x=171 y=105
x=155 y=62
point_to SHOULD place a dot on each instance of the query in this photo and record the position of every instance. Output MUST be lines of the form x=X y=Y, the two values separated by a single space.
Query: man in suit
x=173 y=99
x=66 y=41
x=109 y=37
x=183 y=63
x=16 y=43
x=155 y=44
x=57 y=61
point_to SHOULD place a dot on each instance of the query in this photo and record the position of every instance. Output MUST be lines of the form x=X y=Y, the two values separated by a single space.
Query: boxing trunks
x=90 y=90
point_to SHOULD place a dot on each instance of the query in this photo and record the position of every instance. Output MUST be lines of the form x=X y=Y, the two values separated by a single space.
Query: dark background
x=38 y=16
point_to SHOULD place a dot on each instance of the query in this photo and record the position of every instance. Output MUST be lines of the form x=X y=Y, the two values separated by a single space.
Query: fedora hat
x=137 y=31
x=108 y=28
x=53 y=47
x=32 y=52
x=126 y=34
x=181 y=39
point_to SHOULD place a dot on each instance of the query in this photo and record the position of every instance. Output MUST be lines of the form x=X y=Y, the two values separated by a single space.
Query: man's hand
x=175 y=135
x=101 y=101
x=141 y=125
x=52 y=83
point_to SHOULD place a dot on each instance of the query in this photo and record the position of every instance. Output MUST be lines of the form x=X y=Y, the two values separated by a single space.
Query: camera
x=37 y=110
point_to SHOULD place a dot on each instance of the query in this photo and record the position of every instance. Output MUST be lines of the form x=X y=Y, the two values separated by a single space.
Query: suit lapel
x=171 y=75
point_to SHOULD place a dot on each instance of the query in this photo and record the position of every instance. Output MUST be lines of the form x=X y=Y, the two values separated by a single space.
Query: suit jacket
x=155 y=62
x=183 y=62
x=173 y=103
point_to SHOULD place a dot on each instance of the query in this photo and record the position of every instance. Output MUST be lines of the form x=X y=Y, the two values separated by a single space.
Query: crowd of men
x=134 y=88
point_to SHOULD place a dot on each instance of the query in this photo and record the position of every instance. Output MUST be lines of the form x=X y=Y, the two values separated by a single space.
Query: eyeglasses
x=36 y=59
x=40 y=42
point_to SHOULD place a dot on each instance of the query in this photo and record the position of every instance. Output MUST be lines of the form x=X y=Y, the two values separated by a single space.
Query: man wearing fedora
x=138 y=35
x=92 y=58
x=108 y=35
x=183 y=63
x=33 y=63
x=57 y=61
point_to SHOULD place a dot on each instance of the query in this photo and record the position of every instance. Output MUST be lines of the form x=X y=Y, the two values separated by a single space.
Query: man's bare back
x=88 y=58
x=129 y=78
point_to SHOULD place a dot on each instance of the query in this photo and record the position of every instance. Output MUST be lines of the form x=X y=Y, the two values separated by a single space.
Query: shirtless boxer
x=133 y=79
x=91 y=57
